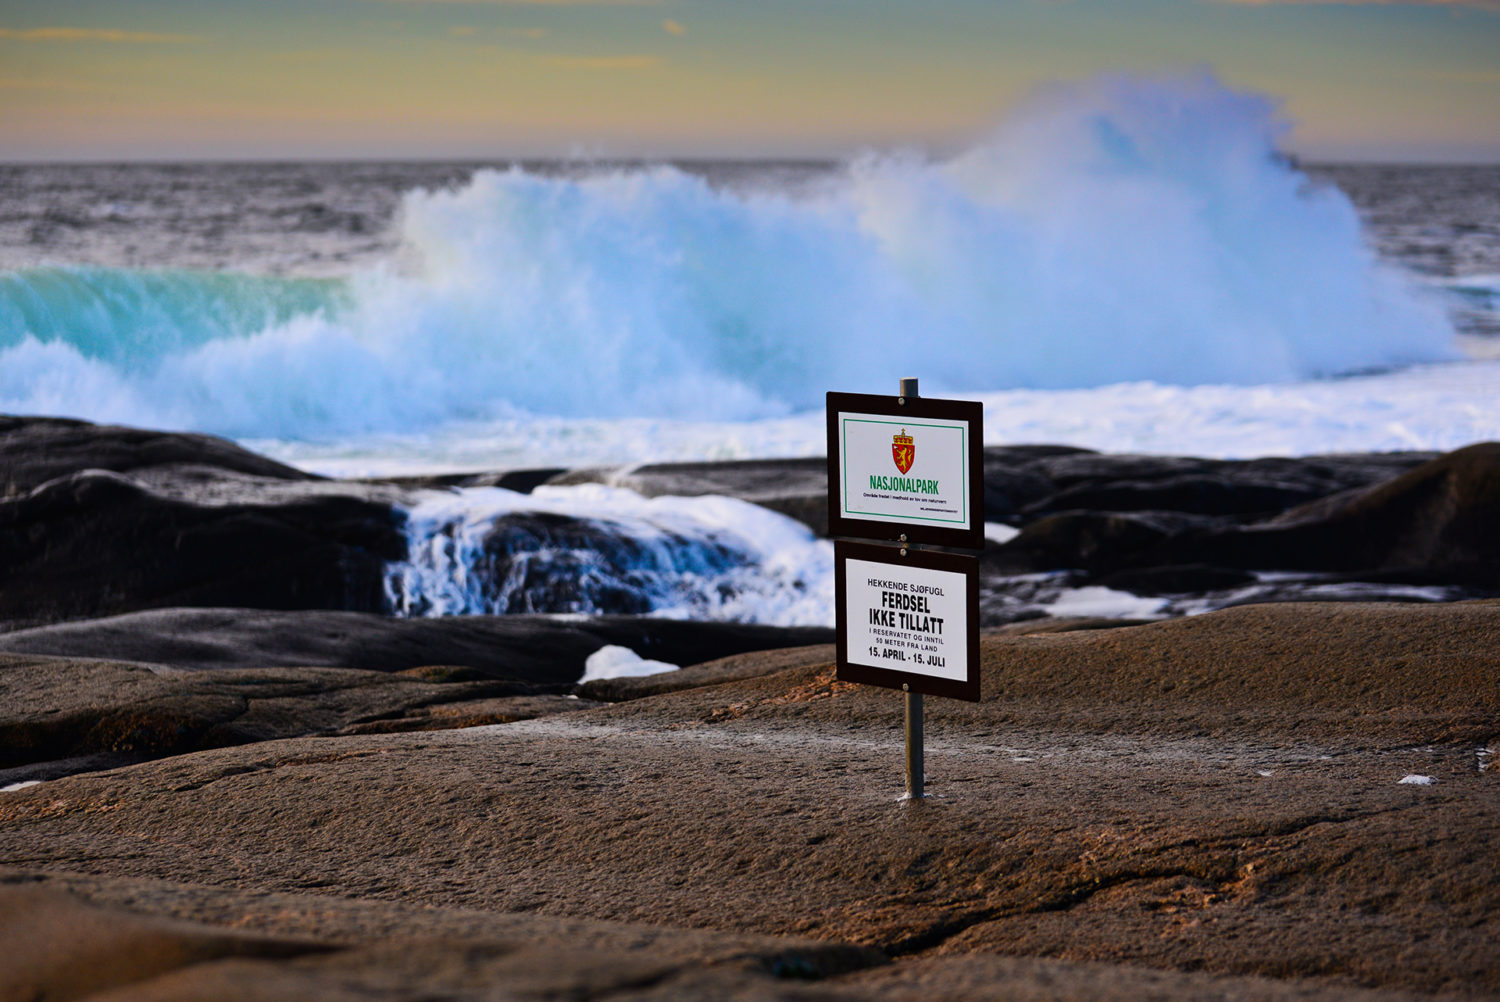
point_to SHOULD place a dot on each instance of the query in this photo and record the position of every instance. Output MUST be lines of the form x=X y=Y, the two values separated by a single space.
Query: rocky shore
x=228 y=775
x=96 y=521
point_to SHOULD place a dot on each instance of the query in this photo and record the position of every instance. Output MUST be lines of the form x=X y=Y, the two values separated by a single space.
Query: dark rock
x=92 y=543
x=97 y=520
x=1025 y=483
x=1008 y=455
x=1201 y=494
x=1434 y=524
x=1244 y=488
x=1084 y=468
x=536 y=650
x=34 y=450
x=1437 y=522
x=1009 y=491
x=1176 y=579
x=1098 y=542
x=521 y=481
x=1063 y=624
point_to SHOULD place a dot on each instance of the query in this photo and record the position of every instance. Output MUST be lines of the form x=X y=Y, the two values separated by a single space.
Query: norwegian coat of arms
x=903 y=450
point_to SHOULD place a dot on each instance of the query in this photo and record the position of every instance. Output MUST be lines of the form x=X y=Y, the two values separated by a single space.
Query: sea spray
x=597 y=549
x=1119 y=230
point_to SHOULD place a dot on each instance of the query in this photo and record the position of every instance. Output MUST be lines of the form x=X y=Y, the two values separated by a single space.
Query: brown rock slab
x=1218 y=795
x=55 y=709
x=123 y=939
x=58 y=947
x=472 y=713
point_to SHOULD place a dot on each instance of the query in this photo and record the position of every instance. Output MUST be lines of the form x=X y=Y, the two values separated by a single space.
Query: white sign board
x=904 y=470
x=908 y=621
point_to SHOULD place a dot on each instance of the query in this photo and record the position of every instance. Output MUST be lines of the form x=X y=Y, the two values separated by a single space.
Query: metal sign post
x=916 y=774
x=908 y=471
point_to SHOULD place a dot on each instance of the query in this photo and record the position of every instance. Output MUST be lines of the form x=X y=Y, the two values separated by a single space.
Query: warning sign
x=908 y=621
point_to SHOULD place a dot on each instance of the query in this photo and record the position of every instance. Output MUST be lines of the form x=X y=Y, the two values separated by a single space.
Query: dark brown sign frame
x=849 y=670
x=969 y=411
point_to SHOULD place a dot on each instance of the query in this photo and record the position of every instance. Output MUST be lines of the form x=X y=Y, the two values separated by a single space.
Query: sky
x=234 y=79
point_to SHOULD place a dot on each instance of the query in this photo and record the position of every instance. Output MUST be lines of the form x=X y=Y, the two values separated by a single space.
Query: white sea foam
x=613 y=661
x=1111 y=233
x=1435 y=407
x=999 y=532
x=1107 y=603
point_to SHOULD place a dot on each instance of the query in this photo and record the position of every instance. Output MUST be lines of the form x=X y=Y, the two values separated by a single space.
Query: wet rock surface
x=35 y=450
x=1199 y=533
x=1395 y=526
x=97 y=520
x=797 y=488
x=541 y=561
x=1079 y=479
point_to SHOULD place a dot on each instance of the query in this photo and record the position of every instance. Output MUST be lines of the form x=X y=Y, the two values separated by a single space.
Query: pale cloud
x=94 y=35
x=1481 y=4
x=303 y=56
x=671 y=27
x=542 y=3
x=603 y=62
x=466 y=31
x=42 y=83
x=1485 y=78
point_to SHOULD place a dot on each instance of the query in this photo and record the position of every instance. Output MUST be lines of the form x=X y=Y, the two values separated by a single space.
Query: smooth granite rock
x=1265 y=802
x=138 y=940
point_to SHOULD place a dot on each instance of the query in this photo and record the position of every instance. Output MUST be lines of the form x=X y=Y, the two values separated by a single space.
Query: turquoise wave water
x=132 y=319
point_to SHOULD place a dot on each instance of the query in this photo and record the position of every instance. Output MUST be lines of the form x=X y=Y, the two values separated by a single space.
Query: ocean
x=1126 y=266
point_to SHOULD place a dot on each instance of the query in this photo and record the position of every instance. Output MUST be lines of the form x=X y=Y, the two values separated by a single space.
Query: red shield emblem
x=903 y=450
